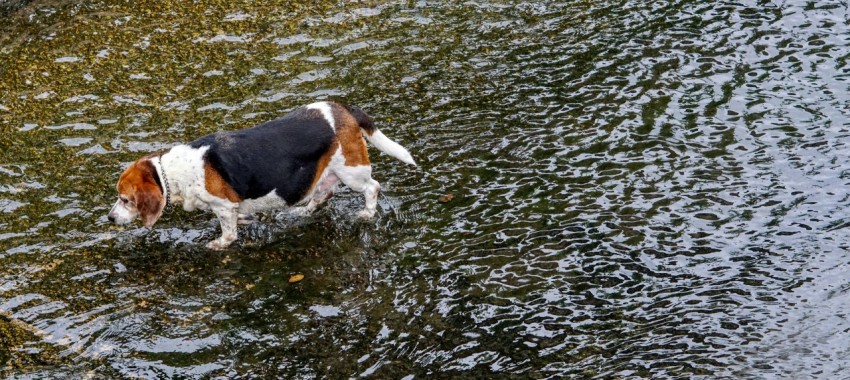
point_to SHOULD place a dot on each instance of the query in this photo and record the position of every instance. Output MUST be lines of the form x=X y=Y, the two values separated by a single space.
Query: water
x=638 y=190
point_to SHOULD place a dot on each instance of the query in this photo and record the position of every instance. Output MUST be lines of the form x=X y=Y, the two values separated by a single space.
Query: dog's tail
x=378 y=139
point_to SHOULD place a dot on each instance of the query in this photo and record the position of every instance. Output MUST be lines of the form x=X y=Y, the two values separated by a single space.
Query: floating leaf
x=446 y=198
x=295 y=278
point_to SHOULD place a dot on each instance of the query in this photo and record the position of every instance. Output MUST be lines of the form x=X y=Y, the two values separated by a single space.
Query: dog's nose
x=111 y=218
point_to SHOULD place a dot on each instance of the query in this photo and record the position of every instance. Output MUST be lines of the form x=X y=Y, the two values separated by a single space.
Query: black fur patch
x=279 y=155
x=363 y=119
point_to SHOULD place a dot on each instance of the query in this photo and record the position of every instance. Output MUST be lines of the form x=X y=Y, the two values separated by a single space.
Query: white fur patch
x=184 y=168
x=325 y=109
x=359 y=179
x=384 y=144
x=121 y=214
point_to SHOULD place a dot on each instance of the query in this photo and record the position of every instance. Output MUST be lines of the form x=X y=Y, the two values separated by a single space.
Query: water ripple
x=638 y=189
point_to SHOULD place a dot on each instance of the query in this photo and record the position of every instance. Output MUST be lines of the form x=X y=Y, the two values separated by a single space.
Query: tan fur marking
x=350 y=138
x=323 y=164
x=137 y=184
x=132 y=177
x=217 y=186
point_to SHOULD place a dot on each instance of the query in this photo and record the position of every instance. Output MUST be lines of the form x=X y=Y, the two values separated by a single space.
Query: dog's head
x=139 y=195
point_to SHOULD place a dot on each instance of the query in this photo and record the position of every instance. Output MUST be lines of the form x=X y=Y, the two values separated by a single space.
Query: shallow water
x=639 y=190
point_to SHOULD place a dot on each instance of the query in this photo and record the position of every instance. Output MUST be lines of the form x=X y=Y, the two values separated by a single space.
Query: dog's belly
x=270 y=201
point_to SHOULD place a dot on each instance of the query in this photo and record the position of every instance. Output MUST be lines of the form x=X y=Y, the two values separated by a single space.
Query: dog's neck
x=181 y=165
x=162 y=178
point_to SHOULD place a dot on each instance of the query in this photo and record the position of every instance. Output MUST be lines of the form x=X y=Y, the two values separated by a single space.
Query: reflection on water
x=639 y=190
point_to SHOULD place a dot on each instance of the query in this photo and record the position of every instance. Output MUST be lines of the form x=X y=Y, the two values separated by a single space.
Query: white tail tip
x=390 y=147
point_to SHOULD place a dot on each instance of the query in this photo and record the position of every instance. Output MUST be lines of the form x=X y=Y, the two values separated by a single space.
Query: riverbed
x=606 y=189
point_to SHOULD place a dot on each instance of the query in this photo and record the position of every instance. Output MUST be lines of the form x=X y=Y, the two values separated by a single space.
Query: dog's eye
x=123 y=200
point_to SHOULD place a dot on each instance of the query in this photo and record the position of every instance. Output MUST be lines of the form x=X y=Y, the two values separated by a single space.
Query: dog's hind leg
x=324 y=190
x=359 y=179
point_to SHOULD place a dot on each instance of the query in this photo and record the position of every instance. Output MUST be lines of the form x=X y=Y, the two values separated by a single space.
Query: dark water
x=640 y=190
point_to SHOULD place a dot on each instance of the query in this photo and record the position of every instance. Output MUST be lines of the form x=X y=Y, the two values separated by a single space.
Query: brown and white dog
x=296 y=160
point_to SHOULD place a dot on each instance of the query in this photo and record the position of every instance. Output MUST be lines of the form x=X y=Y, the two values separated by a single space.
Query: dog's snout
x=111 y=218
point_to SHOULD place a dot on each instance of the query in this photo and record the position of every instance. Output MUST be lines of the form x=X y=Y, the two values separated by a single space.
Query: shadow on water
x=638 y=190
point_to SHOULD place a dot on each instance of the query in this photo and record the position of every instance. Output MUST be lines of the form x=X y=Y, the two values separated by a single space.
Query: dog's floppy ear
x=148 y=196
x=150 y=203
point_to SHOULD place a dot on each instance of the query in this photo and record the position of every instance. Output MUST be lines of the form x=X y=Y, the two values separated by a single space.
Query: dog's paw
x=366 y=214
x=219 y=244
x=246 y=219
x=301 y=211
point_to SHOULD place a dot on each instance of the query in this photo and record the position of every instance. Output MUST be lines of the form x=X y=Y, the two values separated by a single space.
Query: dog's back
x=280 y=155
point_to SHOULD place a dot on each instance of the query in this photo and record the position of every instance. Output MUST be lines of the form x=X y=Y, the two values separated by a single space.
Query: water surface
x=639 y=190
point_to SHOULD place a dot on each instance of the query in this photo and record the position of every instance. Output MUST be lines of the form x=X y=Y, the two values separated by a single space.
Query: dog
x=295 y=161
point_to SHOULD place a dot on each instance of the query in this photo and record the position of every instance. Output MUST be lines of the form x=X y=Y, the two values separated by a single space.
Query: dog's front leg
x=228 y=217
